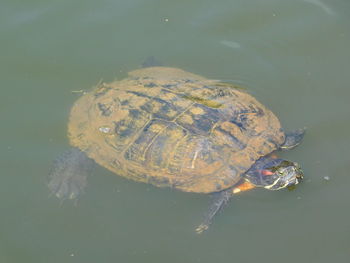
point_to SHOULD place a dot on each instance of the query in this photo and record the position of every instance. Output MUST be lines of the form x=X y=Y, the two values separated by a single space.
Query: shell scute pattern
x=169 y=127
x=199 y=119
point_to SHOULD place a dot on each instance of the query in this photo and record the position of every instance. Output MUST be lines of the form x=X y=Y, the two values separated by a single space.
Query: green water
x=292 y=55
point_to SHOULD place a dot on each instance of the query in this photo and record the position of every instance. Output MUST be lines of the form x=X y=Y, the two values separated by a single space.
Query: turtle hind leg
x=68 y=174
x=220 y=200
x=293 y=139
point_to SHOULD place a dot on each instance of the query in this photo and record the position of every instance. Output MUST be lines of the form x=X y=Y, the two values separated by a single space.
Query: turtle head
x=286 y=174
x=276 y=174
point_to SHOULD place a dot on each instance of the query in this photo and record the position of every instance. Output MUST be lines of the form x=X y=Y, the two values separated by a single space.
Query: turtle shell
x=169 y=127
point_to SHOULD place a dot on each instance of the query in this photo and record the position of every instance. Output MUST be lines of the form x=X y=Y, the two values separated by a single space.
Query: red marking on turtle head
x=266 y=172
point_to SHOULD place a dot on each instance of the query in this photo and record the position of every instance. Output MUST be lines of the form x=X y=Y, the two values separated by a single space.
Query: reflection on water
x=321 y=5
x=292 y=55
x=231 y=44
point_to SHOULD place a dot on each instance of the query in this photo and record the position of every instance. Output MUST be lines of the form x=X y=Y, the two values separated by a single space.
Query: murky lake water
x=292 y=55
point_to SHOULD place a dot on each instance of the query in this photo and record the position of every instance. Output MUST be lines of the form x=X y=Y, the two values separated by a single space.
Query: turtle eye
x=276 y=170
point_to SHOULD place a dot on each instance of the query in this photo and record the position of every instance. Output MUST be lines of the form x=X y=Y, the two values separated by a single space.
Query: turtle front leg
x=68 y=174
x=293 y=139
x=220 y=200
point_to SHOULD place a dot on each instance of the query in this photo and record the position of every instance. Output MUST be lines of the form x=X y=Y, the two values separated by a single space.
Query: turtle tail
x=151 y=62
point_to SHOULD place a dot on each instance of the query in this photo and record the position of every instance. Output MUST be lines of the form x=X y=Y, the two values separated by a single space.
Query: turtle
x=171 y=128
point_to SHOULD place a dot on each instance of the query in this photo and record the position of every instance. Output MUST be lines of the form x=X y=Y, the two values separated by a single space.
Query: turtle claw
x=67 y=187
x=201 y=228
